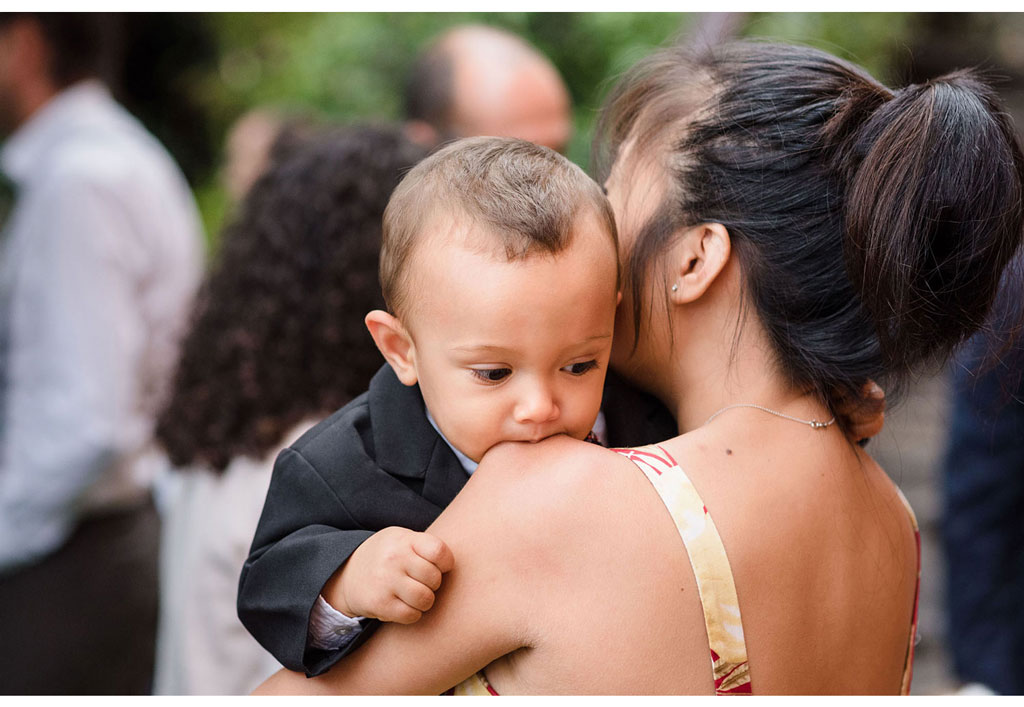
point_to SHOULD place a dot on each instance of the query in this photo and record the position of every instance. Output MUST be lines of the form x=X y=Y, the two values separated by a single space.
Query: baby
x=500 y=271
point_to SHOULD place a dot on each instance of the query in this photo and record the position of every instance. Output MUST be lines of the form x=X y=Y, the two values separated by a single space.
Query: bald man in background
x=478 y=80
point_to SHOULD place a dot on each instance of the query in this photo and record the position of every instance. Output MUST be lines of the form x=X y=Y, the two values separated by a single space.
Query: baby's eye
x=578 y=369
x=491 y=375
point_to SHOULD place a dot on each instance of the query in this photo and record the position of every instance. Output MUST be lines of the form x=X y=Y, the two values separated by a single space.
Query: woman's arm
x=499 y=528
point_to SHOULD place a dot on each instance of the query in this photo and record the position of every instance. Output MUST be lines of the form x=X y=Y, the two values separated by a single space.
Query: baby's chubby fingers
x=424 y=572
x=397 y=611
x=415 y=594
x=433 y=550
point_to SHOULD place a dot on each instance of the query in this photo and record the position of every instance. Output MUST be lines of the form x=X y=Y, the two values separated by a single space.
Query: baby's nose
x=538 y=405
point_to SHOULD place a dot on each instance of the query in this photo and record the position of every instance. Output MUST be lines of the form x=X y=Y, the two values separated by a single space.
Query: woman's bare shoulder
x=556 y=466
x=551 y=486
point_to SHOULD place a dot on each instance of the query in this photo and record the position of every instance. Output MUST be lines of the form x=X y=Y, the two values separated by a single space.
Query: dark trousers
x=83 y=620
x=983 y=523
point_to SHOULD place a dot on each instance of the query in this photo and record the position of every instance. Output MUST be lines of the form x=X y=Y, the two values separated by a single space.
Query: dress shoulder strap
x=710 y=566
x=908 y=665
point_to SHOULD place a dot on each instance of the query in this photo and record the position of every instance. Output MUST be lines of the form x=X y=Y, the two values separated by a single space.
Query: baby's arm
x=519 y=546
x=306 y=532
x=303 y=536
x=392 y=576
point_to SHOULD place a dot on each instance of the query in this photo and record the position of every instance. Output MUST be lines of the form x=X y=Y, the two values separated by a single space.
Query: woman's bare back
x=570 y=576
x=821 y=548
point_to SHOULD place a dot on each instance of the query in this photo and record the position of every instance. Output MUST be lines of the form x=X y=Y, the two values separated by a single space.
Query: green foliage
x=346 y=67
x=352 y=66
x=871 y=39
x=213 y=205
x=590 y=50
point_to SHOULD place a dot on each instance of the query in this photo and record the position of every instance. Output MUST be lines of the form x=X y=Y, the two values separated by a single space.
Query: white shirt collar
x=23 y=149
x=468 y=464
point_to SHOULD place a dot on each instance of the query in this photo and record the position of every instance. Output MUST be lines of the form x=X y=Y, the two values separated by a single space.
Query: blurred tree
x=189 y=76
x=164 y=54
x=352 y=66
x=941 y=42
x=875 y=40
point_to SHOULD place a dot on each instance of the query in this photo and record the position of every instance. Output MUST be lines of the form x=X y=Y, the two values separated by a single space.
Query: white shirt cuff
x=329 y=629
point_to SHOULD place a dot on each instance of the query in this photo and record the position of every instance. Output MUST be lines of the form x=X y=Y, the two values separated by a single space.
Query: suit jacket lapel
x=406 y=444
x=445 y=475
x=634 y=418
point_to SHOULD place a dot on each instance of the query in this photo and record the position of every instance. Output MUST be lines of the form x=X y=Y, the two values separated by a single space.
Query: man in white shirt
x=99 y=261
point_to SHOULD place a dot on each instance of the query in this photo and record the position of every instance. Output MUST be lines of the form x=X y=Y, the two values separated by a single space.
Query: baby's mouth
x=533 y=439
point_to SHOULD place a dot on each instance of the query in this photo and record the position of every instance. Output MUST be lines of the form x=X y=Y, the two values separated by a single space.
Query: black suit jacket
x=375 y=463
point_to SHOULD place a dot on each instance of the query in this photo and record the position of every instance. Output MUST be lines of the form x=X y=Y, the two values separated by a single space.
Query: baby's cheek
x=477 y=434
x=582 y=423
x=591 y=408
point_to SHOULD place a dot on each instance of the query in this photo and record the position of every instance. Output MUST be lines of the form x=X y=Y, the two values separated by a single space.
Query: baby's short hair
x=526 y=196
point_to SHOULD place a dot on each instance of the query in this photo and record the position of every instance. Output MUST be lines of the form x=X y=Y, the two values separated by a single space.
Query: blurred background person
x=247 y=148
x=256 y=138
x=101 y=256
x=479 y=80
x=277 y=342
x=982 y=527
x=976 y=470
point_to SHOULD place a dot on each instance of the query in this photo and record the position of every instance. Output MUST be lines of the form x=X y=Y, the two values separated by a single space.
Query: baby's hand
x=392 y=576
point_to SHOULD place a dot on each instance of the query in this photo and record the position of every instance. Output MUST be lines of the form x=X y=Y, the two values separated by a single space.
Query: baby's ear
x=395 y=343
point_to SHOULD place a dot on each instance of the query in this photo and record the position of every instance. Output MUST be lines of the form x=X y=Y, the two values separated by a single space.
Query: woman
x=271 y=350
x=790 y=228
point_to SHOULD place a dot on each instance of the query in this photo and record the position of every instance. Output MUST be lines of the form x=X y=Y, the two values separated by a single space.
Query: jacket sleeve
x=304 y=534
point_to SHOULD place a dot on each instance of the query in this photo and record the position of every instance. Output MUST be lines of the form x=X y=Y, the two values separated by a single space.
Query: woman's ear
x=394 y=342
x=700 y=255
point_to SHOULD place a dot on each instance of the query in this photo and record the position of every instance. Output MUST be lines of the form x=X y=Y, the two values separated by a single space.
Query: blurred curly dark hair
x=277 y=333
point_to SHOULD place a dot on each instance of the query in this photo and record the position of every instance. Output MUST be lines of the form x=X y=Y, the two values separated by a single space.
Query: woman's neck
x=727 y=363
x=717 y=377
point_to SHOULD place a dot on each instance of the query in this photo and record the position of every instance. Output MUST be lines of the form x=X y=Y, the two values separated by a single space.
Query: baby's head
x=499 y=266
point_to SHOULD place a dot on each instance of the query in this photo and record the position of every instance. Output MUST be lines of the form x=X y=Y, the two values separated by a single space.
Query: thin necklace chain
x=814 y=424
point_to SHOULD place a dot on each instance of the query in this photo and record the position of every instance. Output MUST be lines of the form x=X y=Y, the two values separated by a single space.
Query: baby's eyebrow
x=481 y=348
x=490 y=348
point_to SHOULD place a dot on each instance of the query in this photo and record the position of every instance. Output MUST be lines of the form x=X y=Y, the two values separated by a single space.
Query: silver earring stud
x=675 y=288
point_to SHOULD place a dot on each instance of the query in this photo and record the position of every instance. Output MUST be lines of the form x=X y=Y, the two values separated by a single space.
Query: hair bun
x=858 y=103
x=933 y=213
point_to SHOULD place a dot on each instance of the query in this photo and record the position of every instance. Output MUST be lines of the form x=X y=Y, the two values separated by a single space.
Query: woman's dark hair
x=277 y=334
x=871 y=226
